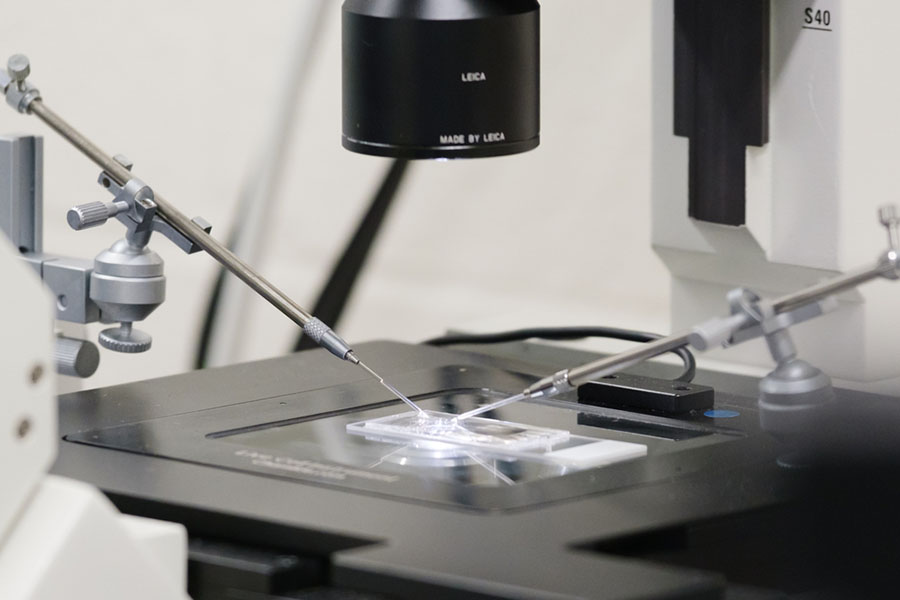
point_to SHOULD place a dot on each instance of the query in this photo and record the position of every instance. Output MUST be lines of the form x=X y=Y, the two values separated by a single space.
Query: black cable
x=329 y=307
x=568 y=333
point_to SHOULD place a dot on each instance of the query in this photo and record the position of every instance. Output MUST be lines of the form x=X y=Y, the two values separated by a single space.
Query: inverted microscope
x=509 y=470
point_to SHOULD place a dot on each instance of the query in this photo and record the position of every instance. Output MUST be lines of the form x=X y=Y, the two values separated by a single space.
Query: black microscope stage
x=257 y=462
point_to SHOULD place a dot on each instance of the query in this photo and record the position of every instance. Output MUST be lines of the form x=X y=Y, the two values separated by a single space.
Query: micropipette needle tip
x=495 y=405
x=389 y=387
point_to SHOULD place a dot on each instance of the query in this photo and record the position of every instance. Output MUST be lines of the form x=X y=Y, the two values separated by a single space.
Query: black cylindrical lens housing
x=441 y=78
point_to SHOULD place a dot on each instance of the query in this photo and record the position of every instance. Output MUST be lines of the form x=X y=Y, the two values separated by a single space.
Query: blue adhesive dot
x=721 y=414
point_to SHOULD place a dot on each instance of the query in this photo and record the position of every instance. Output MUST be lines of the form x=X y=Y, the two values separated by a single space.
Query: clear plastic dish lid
x=492 y=437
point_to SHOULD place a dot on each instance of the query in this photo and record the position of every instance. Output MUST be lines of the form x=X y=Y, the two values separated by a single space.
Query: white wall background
x=186 y=88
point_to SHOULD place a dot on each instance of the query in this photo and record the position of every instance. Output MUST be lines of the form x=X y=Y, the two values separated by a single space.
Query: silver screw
x=37 y=372
x=18 y=68
x=890 y=218
x=23 y=428
x=88 y=215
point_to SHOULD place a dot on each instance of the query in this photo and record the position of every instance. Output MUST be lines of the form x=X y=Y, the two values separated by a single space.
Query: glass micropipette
x=494 y=405
x=391 y=388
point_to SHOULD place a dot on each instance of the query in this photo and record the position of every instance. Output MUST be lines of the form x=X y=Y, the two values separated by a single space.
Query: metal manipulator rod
x=739 y=326
x=26 y=99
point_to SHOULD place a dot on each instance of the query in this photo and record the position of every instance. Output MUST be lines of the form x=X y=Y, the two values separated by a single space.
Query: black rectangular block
x=646 y=394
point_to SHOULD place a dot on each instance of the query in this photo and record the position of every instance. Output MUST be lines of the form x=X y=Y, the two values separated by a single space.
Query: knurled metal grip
x=87 y=215
x=19 y=93
x=75 y=358
x=125 y=339
x=315 y=329
x=18 y=68
x=561 y=381
x=558 y=383
x=328 y=339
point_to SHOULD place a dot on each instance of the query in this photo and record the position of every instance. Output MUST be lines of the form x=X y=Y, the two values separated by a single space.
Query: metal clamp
x=19 y=93
x=795 y=390
x=140 y=207
x=752 y=317
x=760 y=318
x=141 y=218
x=889 y=216
x=127 y=281
x=135 y=207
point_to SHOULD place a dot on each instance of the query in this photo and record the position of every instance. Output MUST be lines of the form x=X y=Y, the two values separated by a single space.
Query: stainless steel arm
x=887 y=267
x=623 y=360
x=180 y=222
x=177 y=219
x=26 y=98
x=570 y=378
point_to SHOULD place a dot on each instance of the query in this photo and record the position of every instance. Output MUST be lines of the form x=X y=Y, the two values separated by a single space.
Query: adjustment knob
x=75 y=358
x=93 y=214
x=87 y=215
x=18 y=68
x=889 y=216
x=125 y=339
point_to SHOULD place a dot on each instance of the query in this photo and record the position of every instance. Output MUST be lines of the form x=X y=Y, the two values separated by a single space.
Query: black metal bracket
x=721 y=99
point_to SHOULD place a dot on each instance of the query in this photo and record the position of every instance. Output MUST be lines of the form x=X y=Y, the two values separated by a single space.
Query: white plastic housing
x=812 y=191
x=71 y=542
x=27 y=403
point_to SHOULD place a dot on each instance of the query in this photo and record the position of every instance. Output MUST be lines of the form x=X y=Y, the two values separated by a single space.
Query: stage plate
x=304 y=437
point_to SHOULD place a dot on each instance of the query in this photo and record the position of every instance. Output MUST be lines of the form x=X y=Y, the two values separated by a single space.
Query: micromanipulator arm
x=750 y=317
x=26 y=99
